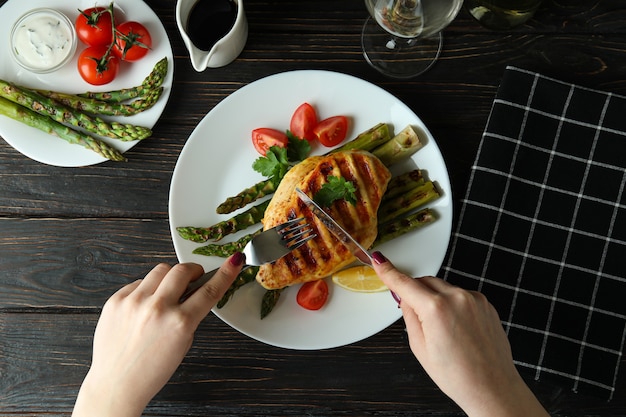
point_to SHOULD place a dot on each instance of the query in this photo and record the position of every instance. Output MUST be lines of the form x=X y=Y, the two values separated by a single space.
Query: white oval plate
x=51 y=150
x=216 y=162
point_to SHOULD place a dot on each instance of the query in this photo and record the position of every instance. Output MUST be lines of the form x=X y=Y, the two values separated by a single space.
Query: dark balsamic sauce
x=209 y=21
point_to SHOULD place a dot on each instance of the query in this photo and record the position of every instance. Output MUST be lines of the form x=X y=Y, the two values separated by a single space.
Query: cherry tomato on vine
x=133 y=41
x=96 y=66
x=264 y=138
x=303 y=122
x=332 y=131
x=94 y=26
x=313 y=294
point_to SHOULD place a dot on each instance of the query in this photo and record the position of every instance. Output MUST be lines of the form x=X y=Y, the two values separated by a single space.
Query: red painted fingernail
x=237 y=259
x=379 y=258
x=396 y=297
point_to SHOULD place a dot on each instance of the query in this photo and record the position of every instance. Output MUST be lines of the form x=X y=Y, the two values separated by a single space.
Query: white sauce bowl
x=43 y=40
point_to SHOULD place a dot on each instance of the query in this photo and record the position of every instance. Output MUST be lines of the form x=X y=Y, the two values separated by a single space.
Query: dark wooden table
x=71 y=236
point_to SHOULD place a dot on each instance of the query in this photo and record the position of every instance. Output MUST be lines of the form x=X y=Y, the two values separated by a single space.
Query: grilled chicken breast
x=324 y=254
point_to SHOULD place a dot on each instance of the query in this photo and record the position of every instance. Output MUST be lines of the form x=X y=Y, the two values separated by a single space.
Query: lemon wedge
x=360 y=279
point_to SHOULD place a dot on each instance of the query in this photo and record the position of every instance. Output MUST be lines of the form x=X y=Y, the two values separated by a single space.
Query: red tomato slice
x=133 y=41
x=332 y=131
x=264 y=138
x=303 y=122
x=313 y=295
x=95 y=67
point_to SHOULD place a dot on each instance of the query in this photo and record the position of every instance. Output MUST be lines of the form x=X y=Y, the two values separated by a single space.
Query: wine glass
x=402 y=38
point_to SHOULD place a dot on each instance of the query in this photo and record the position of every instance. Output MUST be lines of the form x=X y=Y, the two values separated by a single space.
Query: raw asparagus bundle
x=64 y=114
x=33 y=119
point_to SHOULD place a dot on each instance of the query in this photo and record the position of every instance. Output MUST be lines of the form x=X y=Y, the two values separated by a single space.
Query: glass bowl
x=43 y=40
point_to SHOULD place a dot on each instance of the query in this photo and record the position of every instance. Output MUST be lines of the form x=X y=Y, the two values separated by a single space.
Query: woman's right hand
x=458 y=338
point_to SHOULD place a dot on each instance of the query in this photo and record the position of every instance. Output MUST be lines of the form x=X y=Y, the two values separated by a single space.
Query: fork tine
x=289 y=223
x=288 y=232
x=299 y=238
x=296 y=243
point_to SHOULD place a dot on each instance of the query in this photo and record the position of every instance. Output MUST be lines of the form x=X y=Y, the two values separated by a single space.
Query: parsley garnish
x=336 y=188
x=274 y=164
x=298 y=149
x=277 y=160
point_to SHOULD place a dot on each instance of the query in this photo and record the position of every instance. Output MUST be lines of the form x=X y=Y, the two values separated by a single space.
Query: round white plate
x=216 y=162
x=51 y=150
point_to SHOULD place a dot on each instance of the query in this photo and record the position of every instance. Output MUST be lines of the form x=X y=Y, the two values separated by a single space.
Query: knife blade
x=344 y=237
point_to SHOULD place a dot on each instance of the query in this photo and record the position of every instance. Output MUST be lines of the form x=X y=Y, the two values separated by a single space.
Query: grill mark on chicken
x=325 y=254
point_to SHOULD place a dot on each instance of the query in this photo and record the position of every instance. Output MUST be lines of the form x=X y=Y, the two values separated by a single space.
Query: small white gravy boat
x=225 y=50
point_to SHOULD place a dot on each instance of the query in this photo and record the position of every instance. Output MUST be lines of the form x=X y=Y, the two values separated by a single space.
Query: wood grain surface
x=69 y=237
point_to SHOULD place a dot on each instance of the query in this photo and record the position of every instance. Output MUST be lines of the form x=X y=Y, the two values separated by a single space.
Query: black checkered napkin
x=542 y=230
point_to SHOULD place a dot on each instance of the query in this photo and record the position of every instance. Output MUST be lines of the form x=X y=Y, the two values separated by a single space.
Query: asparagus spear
x=30 y=118
x=258 y=190
x=367 y=140
x=401 y=146
x=226 y=249
x=63 y=114
x=400 y=226
x=151 y=82
x=101 y=107
x=244 y=277
x=269 y=300
x=403 y=183
x=216 y=232
x=408 y=201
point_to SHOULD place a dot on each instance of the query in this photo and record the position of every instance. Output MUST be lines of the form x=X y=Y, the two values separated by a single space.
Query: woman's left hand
x=144 y=333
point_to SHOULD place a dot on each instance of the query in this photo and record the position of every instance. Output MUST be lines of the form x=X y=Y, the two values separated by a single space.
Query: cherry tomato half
x=94 y=26
x=313 y=294
x=264 y=138
x=133 y=41
x=332 y=131
x=95 y=68
x=303 y=122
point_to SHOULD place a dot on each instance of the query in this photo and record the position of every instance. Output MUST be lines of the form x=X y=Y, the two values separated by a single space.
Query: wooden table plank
x=76 y=263
x=69 y=237
x=44 y=356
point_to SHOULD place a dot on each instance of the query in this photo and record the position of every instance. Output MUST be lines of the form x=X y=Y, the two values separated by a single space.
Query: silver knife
x=338 y=231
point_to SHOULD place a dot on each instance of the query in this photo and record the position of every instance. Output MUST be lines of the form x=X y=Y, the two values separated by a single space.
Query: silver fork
x=266 y=247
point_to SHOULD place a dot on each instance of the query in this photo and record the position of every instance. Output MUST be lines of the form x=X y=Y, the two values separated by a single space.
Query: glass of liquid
x=402 y=38
x=502 y=14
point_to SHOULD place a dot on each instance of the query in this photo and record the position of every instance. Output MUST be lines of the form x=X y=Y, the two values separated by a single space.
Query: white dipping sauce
x=42 y=40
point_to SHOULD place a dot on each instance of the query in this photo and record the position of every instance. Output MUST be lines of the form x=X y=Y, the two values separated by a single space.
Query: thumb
x=402 y=286
x=203 y=300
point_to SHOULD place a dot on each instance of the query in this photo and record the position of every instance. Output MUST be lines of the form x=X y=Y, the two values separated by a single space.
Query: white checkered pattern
x=542 y=229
